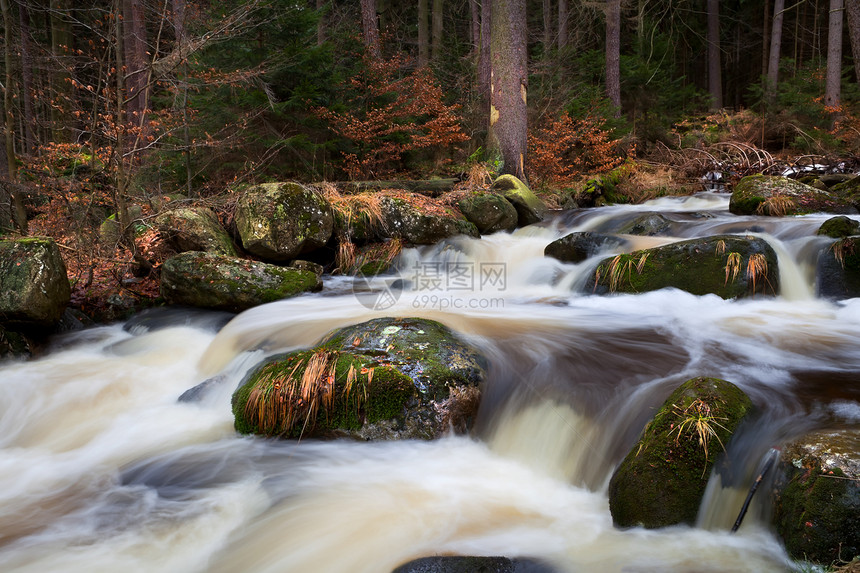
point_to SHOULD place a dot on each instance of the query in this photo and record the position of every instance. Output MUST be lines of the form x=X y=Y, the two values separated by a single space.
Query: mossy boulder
x=849 y=191
x=647 y=225
x=207 y=280
x=838 y=269
x=280 y=221
x=662 y=480
x=839 y=227
x=779 y=196
x=489 y=212
x=403 y=220
x=530 y=208
x=729 y=266
x=817 y=497
x=388 y=378
x=195 y=229
x=34 y=287
x=577 y=247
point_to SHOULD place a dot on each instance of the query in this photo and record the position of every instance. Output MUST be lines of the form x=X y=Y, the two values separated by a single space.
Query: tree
x=833 y=81
x=436 y=29
x=61 y=43
x=29 y=117
x=19 y=214
x=852 y=10
x=715 y=82
x=547 y=26
x=562 y=24
x=613 y=54
x=370 y=28
x=775 y=44
x=423 y=33
x=508 y=136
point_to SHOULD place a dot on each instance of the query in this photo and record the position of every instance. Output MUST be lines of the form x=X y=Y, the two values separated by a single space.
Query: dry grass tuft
x=733 y=266
x=698 y=421
x=757 y=269
x=842 y=249
x=775 y=206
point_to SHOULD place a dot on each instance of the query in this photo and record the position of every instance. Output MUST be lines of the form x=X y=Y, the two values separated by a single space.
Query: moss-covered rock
x=195 y=229
x=577 y=247
x=280 y=221
x=490 y=212
x=779 y=196
x=402 y=220
x=838 y=269
x=207 y=280
x=662 y=480
x=530 y=208
x=34 y=287
x=388 y=378
x=817 y=497
x=726 y=265
x=839 y=227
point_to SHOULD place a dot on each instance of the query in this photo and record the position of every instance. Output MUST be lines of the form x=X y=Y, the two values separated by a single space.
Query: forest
x=112 y=111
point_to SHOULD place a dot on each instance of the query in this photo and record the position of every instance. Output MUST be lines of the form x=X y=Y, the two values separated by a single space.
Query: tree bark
x=134 y=41
x=484 y=66
x=547 y=26
x=370 y=29
x=775 y=43
x=508 y=87
x=19 y=213
x=562 y=24
x=833 y=81
x=475 y=29
x=613 y=54
x=436 y=19
x=61 y=45
x=852 y=9
x=423 y=33
x=29 y=118
x=715 y=80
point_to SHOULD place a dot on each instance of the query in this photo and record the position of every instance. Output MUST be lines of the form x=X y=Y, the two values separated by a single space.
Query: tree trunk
x=19 y=213
x=547 y=26
x=475 y=29
x=715 y=80
x=436 y=18
x=833 y=81
x=423 y=33
x=484 y=66
x=765 y=46
x=508 y=88
x=181 y=102
x=613 y=54
x=370 y=29
x=134 y=42
x=29 y=118
x=61 y=46
x=852 y=8
x=320 y=23
x=775 y=43
x=562 y=24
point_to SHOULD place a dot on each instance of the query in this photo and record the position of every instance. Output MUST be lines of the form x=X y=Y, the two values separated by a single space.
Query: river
x=103 y=469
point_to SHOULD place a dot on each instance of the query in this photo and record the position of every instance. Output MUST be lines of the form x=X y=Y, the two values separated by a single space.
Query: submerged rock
x=817 y=497
x=530 y=209
x=458 y=564
x=779 y=196
x=489 y=212
x=280 y=221
x=34 y=287
x=647 y=225
x=206 y=280
x=388 y=378
x=577 y=247
x=662 y=480
x=726 y=265
x=838 y=269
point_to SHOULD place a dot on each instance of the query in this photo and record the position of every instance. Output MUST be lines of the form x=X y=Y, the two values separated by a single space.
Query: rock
x=388 y=378
x=779 y=196
x=817 y=497
x=458 y=564
x=14 y=344
x=309 y=266
x=647 y=225
x=726 y=265
x=838 y=269
x=280 y=221
x=34 y=287
x=404 y=221
x=849 y=191
x=839 y=227
x=490 y=212
x=577 y=247
x=207 y=280
x=195 y=229
x=662 y=480
x=530 y=209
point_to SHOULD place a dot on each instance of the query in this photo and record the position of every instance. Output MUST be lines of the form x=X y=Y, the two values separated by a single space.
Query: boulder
x=195 y=229
x=530 y=209
x=839 y=227
x=388 y=378
x=207 y=280
x=817 y=497
x=14 y=344
x=838 y=269
x=280 y=221
x=464 y=564
x=577 y=247
x=34 y=287
x=647 y=225
x=490 y=212
x=729 y=266
x=662 y=480
x=779 y=196
x=402 y=220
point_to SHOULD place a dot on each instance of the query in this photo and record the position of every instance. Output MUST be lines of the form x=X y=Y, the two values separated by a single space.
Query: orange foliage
x=846 y=128
x=563 y=148
x=391 y=115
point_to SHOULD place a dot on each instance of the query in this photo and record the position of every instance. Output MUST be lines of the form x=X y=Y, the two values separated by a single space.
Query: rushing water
x=103 y=469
